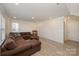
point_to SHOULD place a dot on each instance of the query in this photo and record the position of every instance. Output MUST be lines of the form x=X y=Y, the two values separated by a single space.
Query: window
x=15 y=27
x=2 y=29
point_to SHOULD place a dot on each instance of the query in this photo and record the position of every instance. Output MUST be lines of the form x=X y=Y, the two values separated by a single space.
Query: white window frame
x=15 y=27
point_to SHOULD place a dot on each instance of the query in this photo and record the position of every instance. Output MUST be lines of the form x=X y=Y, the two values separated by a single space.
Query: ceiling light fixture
x=32 y=17
x=17 y=3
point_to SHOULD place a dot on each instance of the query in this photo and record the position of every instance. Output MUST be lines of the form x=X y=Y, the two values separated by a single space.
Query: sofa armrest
x=14 y=51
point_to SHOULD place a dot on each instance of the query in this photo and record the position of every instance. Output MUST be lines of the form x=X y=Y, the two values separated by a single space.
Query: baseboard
x=51 y=40
x=74 y=41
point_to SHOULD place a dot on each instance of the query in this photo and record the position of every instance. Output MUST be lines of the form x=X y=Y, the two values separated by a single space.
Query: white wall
x=52 y=29
x=25 y=26
x=72 y=25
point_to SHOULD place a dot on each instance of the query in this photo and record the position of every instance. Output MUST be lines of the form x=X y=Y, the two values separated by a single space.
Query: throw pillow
x=10 y=44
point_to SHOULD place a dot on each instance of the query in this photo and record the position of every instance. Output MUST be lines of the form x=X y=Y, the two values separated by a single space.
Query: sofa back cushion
x=11 y=35
x=25 y=33
x=26 y=37
x=19 y=40
x=10 y=44
x=14 y=35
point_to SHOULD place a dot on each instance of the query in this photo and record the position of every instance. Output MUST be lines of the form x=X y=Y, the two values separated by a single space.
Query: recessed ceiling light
x=17 y=3
x=33 y=17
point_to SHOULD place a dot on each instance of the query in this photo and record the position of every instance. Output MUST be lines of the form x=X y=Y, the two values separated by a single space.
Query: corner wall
x=52 y=29
x=72 y=28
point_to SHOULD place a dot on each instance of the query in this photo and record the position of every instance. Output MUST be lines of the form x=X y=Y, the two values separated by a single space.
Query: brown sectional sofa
x=20 y=44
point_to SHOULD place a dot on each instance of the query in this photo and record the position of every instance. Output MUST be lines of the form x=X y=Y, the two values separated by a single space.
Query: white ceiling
x=73 y=8
x=40 y=11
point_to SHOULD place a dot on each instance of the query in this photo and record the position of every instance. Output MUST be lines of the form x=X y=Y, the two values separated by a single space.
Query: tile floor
x=51 y=48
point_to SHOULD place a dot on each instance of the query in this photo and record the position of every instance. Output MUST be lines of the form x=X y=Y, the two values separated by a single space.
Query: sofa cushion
x=25 y=33
x=19 y=40
x=35 y=37
x=17 y=34
x=25 y=46
x=11 y=35
x=35 y=43
x=19 y=49
x=26 y=37
x=10 y=44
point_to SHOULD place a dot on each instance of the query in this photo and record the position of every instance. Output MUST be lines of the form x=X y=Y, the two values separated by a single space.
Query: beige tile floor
x=51 y=48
